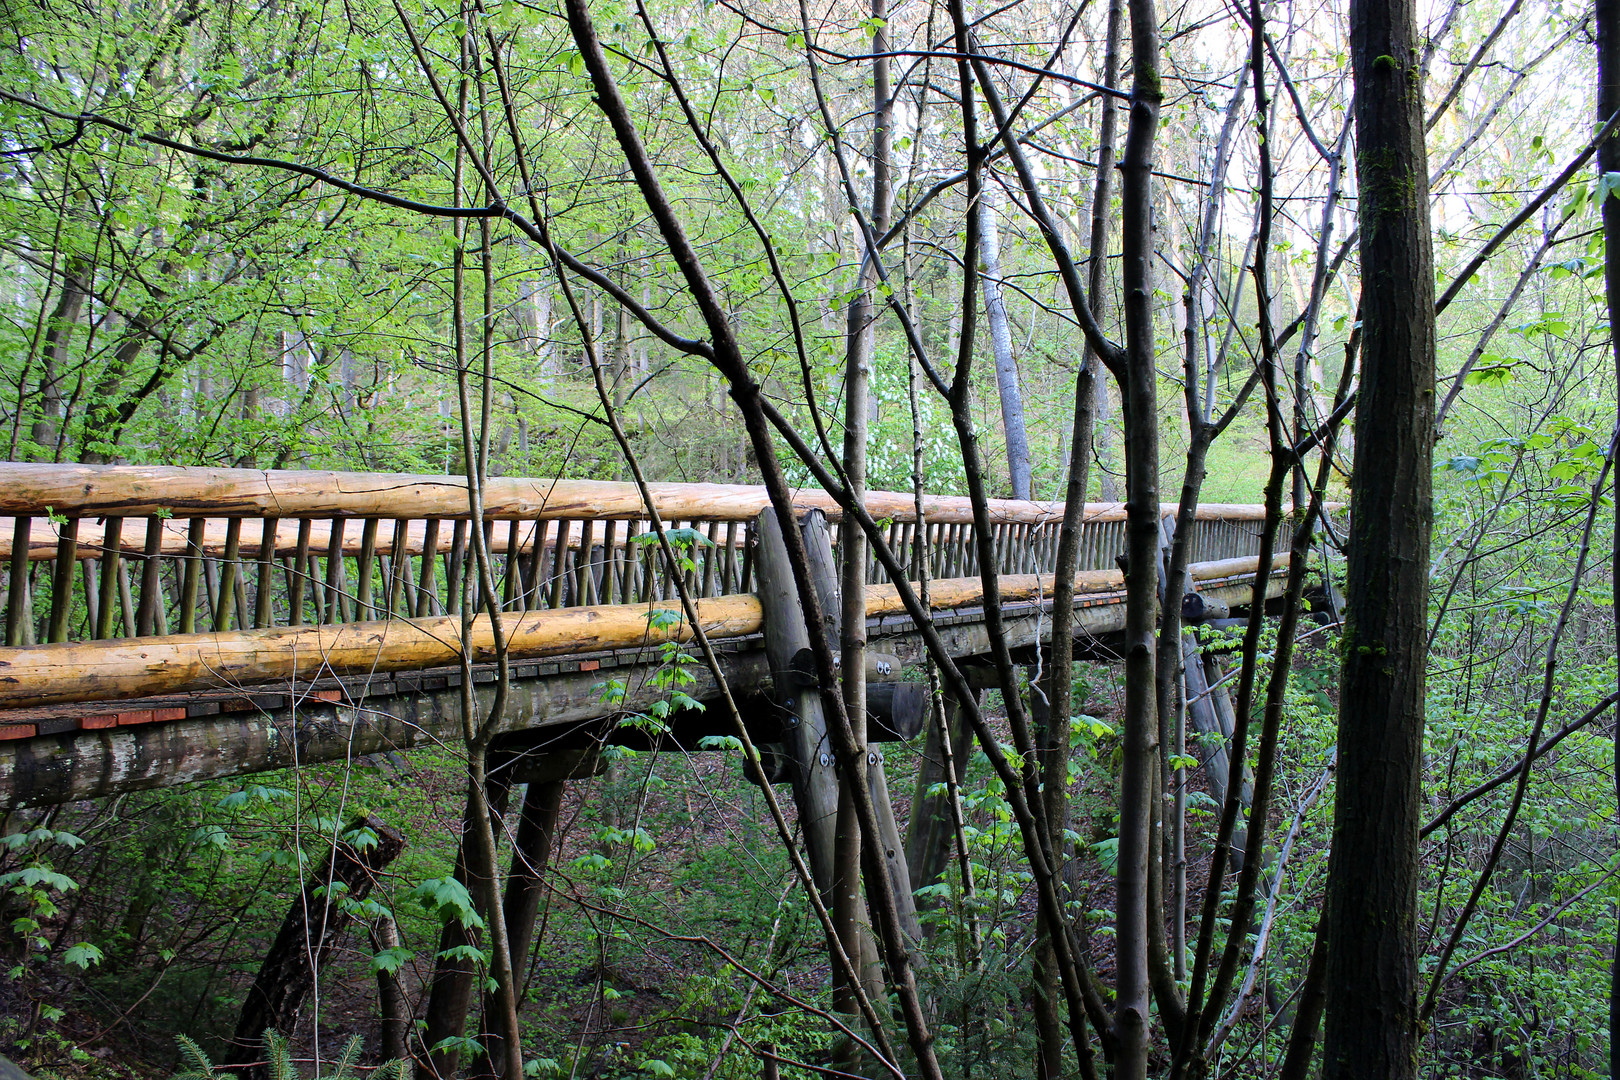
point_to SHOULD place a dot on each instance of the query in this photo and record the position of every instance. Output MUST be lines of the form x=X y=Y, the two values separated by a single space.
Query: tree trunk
x=312 y=926
x=1608 y=156
x=1371 y=906
x=531 y=854
x=995 y=313
x=450 y=994
x=1140 y=765
x=392 y=1006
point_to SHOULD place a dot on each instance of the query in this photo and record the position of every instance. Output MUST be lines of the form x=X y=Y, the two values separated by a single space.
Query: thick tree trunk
x=450 y=994
x=1371 y=907
x=525 y=887
x=312 y=926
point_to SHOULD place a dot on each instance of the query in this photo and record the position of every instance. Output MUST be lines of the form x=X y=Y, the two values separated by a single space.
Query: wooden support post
x=815 y=784
x=312 y=926
x=399 y=566
x=1210 y=714
x=427 y=588
x=930 y=838
x=451 y=992
x=299 y=583
x=363 y=609
x=525 y=888
x=225 y=599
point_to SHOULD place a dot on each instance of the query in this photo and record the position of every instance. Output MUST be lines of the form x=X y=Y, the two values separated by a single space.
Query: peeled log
x=73 y=672
x=33 y=675
x=90 y=491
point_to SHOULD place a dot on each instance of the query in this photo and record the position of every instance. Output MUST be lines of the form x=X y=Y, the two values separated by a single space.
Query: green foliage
x=196 y=1065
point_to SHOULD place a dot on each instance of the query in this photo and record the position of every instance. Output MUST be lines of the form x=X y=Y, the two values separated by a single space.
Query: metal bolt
x=871 y=759
x=825 y=760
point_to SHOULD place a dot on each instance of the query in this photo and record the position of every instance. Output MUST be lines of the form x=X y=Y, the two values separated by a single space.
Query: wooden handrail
x=72 y=672
x=137 y=491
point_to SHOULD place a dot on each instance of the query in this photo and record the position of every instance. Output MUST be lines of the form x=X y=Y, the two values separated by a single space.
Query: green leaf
x=472 y=954
x=82 y=955
x=390 y=960
x=657 y=1067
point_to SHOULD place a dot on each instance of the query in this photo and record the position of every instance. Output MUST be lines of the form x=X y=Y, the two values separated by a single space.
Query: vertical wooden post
x=226 y=596
x=930 y=835
x=427 y=589
x=17 y=583
x=67 y=560
x=362 y=570
x=112 y=534
x=815 y=784
x=299 y=583
x=264 y=592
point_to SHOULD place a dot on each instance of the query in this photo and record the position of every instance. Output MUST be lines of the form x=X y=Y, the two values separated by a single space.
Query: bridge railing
x=97 y=552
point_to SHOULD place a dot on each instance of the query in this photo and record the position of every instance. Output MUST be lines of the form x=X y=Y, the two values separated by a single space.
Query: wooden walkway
x=201 y=623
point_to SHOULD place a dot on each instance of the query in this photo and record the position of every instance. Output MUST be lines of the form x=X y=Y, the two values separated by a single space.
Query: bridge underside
x=559 y=710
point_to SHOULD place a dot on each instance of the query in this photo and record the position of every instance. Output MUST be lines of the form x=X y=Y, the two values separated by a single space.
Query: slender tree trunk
x=1371 y=907
x=1608 y=155
x=1099 y=429
x=1140 y=765
x=995 y=315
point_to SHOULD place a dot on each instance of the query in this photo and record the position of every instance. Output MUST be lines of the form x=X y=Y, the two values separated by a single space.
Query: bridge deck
x=331 y=642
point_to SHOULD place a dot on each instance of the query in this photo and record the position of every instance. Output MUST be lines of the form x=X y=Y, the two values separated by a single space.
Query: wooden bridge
x=167 y=625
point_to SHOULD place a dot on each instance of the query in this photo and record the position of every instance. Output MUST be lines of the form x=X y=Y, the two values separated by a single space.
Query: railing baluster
x=17 y=581
x=126 y=601
x=67 y=551
x=532 y=591
x=584 y=580
x=728 y=565
x=559 y=563
x=264 y=590
x=334 y=607
x=427 y=589
x=509 y=571
x=710 y=551
x=112 y=534
x=454 y=564
x=363 y=608
x=298 y=576
x=610 y=537
x=747 y=566
x=634 y=579
x=399 y=569
x=224 y=603
x=87 y=578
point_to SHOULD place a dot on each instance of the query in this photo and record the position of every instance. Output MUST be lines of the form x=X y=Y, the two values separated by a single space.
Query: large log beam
x=87 y=491
x=74 y=672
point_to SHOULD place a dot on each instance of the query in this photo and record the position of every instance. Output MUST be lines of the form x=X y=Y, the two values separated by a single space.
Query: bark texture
x=1608 y=156
x=1371 y=909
